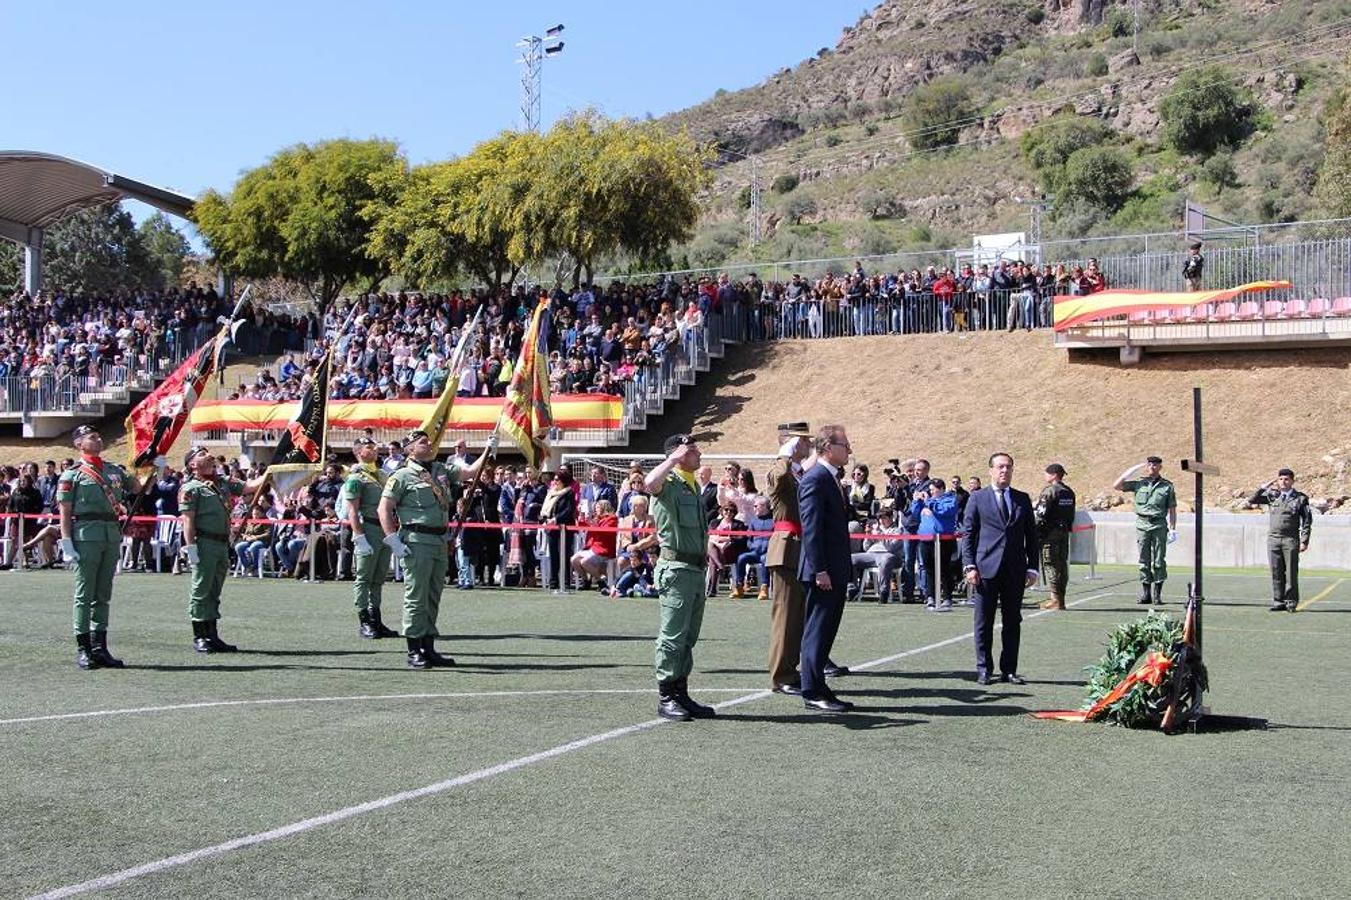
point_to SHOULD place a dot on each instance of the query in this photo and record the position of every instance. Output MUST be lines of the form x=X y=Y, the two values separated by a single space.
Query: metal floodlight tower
x=534 y=49
x=755 y=210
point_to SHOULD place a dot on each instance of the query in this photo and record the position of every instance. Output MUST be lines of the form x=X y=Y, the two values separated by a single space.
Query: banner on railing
x=1080 y=309
x=469 y=413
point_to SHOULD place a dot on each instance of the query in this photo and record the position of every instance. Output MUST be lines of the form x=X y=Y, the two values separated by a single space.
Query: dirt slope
x=955 y=399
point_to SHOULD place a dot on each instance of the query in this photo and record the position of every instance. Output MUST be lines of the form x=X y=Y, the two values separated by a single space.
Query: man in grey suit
x=999 y=559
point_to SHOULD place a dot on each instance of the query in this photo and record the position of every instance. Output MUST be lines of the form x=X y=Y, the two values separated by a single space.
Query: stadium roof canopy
x=37 y=189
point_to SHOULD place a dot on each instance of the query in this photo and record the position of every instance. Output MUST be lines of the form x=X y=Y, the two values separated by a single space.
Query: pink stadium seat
x=1272 y=309
x=1341 y=307
x=1223 y=311
x=1295 y=309
x=1318 y=307
x=1139 y=317
x=1247 y=310
x=1187 y=313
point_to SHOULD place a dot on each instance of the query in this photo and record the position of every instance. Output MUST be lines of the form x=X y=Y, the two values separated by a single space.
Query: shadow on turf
x=587 y=638
x=860 y=719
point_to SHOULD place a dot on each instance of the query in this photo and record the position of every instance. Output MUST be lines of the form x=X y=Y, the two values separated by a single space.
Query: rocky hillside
x=844 y=169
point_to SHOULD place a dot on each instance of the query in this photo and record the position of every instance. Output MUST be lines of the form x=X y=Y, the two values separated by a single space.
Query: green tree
x=11 y=266
x=166 y=251
x=304 y=215
x=96 y=251
x=1204 y=111
x=1047 y=147
x=1333 y=189
x=935 y=113
x=1100 y=177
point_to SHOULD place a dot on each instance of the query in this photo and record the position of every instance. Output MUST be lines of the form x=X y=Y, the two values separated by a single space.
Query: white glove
x=492 y=443
x=1172 y=536
x=194 y=557
x=161 y=463
x=222 y=320
x=68 y=550
x=362 y=545
x=396 y=545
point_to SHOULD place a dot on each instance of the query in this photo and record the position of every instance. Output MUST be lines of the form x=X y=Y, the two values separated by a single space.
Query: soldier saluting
x=91 y=498
x=204 y=501
x=1287 y=537
x=1155 y=523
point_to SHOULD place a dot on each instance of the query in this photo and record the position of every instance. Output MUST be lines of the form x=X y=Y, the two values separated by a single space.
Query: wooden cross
x=1198 y=467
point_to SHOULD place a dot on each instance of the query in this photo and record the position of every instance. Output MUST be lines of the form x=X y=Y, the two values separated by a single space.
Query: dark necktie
x=1003 y=505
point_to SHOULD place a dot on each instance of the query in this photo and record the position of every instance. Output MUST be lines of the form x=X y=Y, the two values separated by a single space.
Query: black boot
x=84 y=658
x=415 y=658
x=99 y=652
x=695 y=709
x=381 y=630
x=1158 y=593
x=669 y=704
x=213 y=637
x=1143 y=599
x=200 y=641
x=436 y=660
x=365 y=629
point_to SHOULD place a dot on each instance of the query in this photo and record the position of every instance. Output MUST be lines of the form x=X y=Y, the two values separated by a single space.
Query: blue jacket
x=759 y=545
x=944 y=518
x=825 y=528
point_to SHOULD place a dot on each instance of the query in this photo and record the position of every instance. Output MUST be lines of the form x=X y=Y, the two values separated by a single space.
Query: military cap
x=676 y=440
x=415 y=435
x=1156 y=460
x=83 y=431
x=1287 y=473
x=196 y=451
x=1055 y=469
x=365 y=440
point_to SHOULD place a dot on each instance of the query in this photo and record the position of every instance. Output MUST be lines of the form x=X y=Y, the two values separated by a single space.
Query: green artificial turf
x=933 y=786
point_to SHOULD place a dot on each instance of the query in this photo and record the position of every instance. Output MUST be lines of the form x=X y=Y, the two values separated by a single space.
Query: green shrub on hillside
x=1204 y=111
x=1049 y=146
x=1096 y=66
x=1333 y=190
x=935 y=112
x=784 y=183
x=796 y=208
x=1098 y=176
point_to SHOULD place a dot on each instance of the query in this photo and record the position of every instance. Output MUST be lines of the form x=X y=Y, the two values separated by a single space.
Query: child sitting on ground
x=637 y=578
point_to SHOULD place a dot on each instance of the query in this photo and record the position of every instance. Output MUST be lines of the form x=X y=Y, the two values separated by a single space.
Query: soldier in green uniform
x=1055 y=517
x=361 y=499
x=90 y=498
x=1155 y=523
x=1287 y=537
x=414 y=514
x=204 y=501
x=683 y=537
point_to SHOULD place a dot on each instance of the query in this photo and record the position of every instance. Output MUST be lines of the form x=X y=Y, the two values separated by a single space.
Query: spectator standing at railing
x=981 y=285
x=1094 y=278
x=1193 y=267
x=944 y=291
x=1054 y=510
x=937 y=514
x=917 y=485
x=92 y=498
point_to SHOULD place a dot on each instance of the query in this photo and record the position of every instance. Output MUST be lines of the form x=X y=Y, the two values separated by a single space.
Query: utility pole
x=1135 y=33
x=534 y=49
x=755 y=210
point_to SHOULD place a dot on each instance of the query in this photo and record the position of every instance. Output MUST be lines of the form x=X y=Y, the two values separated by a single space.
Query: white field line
x=440 y=787
x=356 y=698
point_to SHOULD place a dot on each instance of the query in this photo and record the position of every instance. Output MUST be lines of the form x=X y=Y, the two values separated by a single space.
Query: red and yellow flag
x=527 y=413
x=1071 y=310
x=155 y=423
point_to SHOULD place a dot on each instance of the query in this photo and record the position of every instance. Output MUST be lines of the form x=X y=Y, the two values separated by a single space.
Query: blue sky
x=187 y=95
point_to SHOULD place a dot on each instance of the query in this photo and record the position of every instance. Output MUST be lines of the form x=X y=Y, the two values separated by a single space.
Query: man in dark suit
x=999 y=558
x=824 y=565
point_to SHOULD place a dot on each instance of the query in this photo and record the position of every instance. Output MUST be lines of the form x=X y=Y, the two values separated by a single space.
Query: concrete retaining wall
x=1232 y=540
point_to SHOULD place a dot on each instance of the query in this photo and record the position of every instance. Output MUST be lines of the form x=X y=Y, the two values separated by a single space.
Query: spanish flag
x=527 y=413
x=1081 y=309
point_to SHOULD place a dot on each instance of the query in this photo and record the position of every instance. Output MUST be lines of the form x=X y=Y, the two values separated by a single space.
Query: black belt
x=425 y=529
x=690 y=559
x=96 y=517
x=217 y=536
